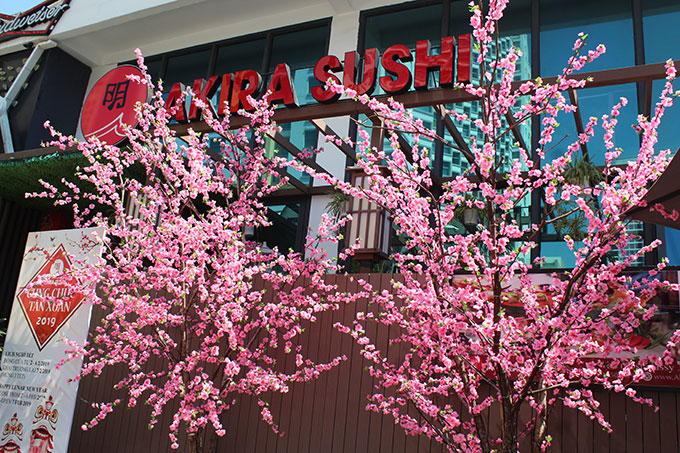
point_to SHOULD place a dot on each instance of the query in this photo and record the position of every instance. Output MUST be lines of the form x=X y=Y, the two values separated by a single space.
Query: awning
x=666 y=190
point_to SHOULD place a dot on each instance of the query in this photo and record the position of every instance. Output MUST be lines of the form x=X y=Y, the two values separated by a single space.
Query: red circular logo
x=111 y=104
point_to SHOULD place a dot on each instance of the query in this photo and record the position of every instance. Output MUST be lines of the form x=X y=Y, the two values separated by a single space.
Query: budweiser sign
x=39 y=20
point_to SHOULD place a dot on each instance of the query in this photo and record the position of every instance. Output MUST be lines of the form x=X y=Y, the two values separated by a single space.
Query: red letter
x=240 y=93
x=176 y=99
x=281 y=87
x=390 y=61
x=204 y=91
x=425 y=63
x=321 y=68
x=370 y=68
x=224 y=94
x=463 y=65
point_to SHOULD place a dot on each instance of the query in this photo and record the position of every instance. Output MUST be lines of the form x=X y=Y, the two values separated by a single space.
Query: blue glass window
x=605 y=21
x=185 y=68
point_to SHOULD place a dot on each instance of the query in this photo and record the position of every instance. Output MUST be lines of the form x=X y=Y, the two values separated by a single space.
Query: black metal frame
x=214 y=46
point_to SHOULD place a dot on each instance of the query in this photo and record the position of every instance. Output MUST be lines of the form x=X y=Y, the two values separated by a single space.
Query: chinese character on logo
x=116 y=94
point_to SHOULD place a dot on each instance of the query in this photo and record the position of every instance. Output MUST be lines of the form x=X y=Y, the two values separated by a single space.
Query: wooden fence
x=328 y=415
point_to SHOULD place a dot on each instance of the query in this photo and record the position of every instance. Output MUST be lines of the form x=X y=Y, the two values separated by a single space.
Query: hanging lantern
x=370 y=225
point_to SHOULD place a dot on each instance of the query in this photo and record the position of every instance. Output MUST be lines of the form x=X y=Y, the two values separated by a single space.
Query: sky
x=16 y=6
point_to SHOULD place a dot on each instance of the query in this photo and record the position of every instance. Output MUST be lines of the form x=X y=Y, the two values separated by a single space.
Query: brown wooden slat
x=569 y=430
x=651 y=428
x=271 y=439
x=366 y=422
x=634 y=428
x=585 y=433
x=285 y=419
x=601 y=437
x=248 y=424
x=399 y=438
x=356 y=401
x=322 y=418
x=525 y=414
x=555 y=428
x=617 y=410
x=392 y=354
x=345 y=374
x=309 y=390
x=380 y=338
x=494 y=416
x=109 y=433
x=298 y=395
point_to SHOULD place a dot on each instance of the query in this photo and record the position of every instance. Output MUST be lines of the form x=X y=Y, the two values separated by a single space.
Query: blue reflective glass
x=304 y=80
x=185 y=68
x=240 y=56
x=404 y=27
x=596 y=102
x=673 y=245
x=667 y=133
x=557 y=255
x=514 y=27
x=660 y=20
x=299 y=49
x=605 y=21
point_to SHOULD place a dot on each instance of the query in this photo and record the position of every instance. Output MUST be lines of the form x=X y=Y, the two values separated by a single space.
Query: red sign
x=236 y=87
x=48 y=305
x=39 y=20
x=111 y=104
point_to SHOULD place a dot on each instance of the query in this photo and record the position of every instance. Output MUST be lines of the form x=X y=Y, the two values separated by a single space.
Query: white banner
x=37 y=400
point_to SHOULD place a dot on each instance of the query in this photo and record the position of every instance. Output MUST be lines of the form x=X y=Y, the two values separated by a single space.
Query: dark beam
x=377 y=133
x=292 y=192
x=514 y=128
x=648 y=99
x=326 y=130
x=573 y=98
x=292 y=149
x=455 y=133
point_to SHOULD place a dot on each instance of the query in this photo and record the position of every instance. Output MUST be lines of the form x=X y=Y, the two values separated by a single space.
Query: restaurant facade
x=53 y=55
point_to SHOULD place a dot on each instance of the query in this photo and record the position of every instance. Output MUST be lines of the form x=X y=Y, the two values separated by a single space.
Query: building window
x=607 y=21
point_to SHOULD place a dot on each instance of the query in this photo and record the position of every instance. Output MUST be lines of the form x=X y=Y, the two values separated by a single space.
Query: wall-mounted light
x=370 y=225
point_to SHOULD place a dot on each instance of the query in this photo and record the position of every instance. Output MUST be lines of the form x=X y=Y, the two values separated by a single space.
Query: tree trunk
x=509 y=428
x=541 y=424
x=193 y=443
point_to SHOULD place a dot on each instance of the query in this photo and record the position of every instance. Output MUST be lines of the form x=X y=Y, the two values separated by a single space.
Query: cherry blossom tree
x=451 y=311
x=180 y=285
